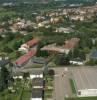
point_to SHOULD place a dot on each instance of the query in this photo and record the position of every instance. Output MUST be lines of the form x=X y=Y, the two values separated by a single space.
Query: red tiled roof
x=25 y=57
x=32 y=42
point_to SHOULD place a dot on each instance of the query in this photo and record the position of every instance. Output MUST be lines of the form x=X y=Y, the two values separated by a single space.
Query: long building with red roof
x=27 y=48
x=69 y=45
x=32 y=42
x=23 y=59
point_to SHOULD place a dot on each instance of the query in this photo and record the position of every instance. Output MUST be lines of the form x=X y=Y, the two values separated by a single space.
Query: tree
x=28 y=37
x=62 y=59
x=51 y=72
x=4 y=78
x=75 y=53
x=9 y=37
x=41 y=53
x=92 y=62
x=17 y=44
x=26 y=75
x=1 y=38
x=7 y=49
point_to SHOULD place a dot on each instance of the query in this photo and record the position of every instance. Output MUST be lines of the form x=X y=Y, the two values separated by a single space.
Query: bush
x=51 y=72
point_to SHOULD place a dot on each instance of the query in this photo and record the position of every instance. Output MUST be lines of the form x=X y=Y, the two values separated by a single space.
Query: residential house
x=64 y=30
x=77 y=17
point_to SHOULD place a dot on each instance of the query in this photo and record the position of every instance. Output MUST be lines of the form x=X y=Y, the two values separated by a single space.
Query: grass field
x=72 y=86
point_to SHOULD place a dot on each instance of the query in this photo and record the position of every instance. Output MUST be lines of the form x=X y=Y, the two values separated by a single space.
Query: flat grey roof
x=33 y=72
x=37 y=93
x=4 y=62
x=85 y=78
x=37 y=82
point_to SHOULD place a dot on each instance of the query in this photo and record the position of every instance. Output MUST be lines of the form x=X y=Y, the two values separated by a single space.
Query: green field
x=72 y=86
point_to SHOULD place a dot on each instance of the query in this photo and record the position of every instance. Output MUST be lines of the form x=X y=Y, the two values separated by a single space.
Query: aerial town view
x=48 y=49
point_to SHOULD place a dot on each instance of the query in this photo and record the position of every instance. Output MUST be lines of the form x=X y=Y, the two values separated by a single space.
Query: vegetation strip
x=72 y=86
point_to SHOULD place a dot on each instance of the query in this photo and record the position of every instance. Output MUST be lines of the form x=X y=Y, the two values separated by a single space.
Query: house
x=64 y=30
x=77 y=17
x=44 y=23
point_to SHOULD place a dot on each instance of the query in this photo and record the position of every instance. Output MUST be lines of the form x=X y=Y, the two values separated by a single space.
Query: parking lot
x=84 y=78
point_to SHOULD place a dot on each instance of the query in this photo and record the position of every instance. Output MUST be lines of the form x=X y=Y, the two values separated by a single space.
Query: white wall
x=87 y=92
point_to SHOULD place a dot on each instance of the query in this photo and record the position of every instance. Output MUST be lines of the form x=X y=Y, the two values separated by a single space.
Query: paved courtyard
x=84 y=77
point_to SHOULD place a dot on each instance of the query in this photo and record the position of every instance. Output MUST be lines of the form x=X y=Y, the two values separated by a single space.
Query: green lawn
x=72 y=86
x=48 y=87
x=82 y=98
